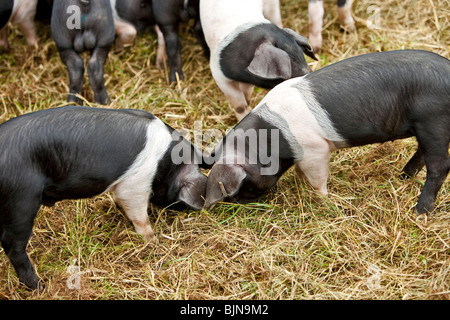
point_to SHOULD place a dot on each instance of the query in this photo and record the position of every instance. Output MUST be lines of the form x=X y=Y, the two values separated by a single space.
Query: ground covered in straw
x=363 y=242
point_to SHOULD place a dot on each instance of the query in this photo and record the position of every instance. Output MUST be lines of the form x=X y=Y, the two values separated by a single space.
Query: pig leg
x=345 y=14
x=161 y=55
x=135 y=205
x=24 y=18
x=437 y=161
x=237 y=98
x=314 y=165
x=126 y=33
x=4 y=38
x=414 y=165
x=315 y=16
x=28 y=28
x=173 y=49
x=198 y=30
x=135 y=208
x=271 y=11
x=96 y=75
x=75 y=66
x=14 y=239
x=232 y=90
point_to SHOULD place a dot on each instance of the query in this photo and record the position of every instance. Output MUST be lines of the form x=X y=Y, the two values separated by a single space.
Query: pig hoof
x=73 y=98
x=316 y=42
x=404 y=176
x=33 y=283
x=152 y=239
x=102 y=99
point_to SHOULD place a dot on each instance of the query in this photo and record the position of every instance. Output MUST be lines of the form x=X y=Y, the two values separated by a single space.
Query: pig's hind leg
x=96 y=75
x=75 y=67
x=436 y=158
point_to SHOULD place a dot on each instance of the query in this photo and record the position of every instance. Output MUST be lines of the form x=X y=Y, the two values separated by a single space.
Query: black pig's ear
x=193 y=190
x=270 y=62
x=302 y=42
x=223 y=181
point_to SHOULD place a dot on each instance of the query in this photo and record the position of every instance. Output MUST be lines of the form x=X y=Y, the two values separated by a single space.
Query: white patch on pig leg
x=271 y=11
x=345 y=15
x=314 y=165
x=315 y=15
x=247 y=89
x=23 y=15
x=126 y=33
x=4 y=37
x=133 y=189
x=232 y=90
x=161 y=55
x=136 y=210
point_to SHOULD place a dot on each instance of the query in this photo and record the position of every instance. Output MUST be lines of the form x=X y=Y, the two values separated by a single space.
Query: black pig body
x=78 y=26
x=78 y=152
x=361 y=100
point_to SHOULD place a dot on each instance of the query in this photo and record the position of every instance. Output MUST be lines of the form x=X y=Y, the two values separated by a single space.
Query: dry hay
x=364 y=242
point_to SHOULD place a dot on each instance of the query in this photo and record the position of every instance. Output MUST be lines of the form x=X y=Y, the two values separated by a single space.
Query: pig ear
x=270 y=62
x=302 y=42
x=223 y=181
x=192 y=193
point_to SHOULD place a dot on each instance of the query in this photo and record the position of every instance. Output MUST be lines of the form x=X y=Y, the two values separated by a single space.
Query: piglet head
x=236 y=183
x=180 y=182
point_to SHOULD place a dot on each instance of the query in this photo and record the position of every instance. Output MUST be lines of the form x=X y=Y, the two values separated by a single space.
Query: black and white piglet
x=366 y=99
x=78 y=26
x=77 y=152
x=249 y=47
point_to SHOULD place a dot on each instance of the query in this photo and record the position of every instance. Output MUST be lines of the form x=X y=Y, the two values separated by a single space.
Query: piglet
x=21 y=12
x=78 y=26
x=249 y=47
x=366 y=99
x=78 y=152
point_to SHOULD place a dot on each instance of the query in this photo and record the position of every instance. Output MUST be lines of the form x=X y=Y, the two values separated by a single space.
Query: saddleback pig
x=78 y=152
x=249 y=47
x=366 y=99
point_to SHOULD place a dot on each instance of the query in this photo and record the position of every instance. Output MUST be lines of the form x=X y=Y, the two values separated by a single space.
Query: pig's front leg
x=75 y=67
x=135 y=205
x=4 y=38
x=173 y=49
x=161 y=55
x=414 y=165
x=315 y=16
x=345 y=14
x=96 y=75
x=198 y=30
